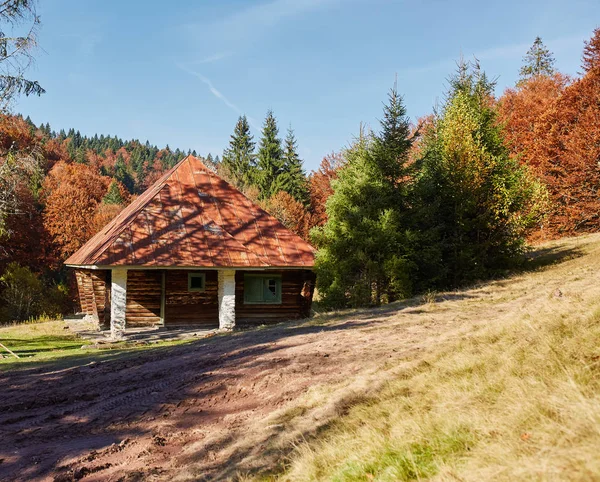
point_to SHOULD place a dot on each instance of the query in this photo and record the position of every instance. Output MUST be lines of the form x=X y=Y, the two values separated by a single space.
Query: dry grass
x=507 y=389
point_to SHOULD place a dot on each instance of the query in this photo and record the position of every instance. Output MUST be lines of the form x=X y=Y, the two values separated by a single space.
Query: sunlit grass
x=516 y=396
x=52 y=341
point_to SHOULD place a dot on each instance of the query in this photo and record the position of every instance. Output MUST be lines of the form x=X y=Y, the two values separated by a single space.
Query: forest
x=408 y=207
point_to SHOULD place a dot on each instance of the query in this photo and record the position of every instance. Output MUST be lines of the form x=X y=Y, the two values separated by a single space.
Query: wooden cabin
x=193 y=250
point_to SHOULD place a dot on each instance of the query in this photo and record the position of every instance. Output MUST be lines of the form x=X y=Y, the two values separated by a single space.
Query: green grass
x=52 y=341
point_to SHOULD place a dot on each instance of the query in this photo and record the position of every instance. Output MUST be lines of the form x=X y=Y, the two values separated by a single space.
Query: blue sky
x=180 y=73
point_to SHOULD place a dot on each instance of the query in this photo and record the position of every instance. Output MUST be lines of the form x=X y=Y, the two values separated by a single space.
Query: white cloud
x=211 y=58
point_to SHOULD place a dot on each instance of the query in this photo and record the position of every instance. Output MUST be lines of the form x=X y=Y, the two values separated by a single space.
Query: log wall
x=183 y=307
x=144 y=289
x=94 y=293
x=86 y=294
x=297 y=288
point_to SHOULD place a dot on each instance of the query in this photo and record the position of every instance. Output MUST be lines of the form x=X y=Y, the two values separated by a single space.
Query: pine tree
x=537 y=61
x=238 y=158
x=113 y=195
x=270 y=158
x=474 y=200
x=292 y=178
x=122 y=174
x=365 y=246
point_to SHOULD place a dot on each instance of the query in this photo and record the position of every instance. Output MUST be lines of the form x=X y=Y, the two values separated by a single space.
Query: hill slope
x=500 y=382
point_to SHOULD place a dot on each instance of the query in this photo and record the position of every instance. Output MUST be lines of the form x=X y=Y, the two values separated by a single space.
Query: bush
x=24 y=296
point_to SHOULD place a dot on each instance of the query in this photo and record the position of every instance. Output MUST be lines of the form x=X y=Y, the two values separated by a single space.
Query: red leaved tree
x=568 y=151
x=292 y=214
x=72 y=194
x=319 y=186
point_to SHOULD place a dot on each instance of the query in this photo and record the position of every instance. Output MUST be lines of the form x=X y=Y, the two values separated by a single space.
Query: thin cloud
x=211 y=58
x=216 y=92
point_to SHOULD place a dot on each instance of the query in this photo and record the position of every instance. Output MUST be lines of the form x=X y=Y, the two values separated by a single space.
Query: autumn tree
x=72 y=193
x=319 y=186
x=591 y=52
x=16 y=49
x=239 y=161
x=292 y=213
x=522 y=108
x=569 y=151
x=538 y=61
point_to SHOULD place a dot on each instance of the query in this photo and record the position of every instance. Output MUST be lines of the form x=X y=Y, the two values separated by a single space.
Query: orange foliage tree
x=319 y=186
x=568 y=151
x=553 y=125
x=72 y=194
x=521 y=109
x=292 y=214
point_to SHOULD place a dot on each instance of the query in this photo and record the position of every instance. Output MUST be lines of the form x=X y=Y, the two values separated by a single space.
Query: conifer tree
x=365 y=246
x=292 y=178
x=270 y=158
x=239 y=159
x=123 y=176
x=476 y=201
x=537 y=61
x=113 y=195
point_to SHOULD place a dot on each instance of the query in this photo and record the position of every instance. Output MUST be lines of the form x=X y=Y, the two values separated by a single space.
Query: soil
x=152 y=415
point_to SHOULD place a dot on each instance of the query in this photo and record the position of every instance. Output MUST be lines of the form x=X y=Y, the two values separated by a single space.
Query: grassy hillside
x=509 y=390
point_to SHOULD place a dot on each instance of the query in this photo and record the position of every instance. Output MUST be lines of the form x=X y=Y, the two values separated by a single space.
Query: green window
x=196 y=281
x=261 y=288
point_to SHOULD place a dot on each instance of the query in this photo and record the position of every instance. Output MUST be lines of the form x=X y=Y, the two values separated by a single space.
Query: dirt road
x=204 y=410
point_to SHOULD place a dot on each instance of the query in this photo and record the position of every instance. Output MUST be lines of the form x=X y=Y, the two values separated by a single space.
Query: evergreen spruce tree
x=238 y=158
x=113 y=195
x=474 y=202
x=123 y=176
x=292 y=178
x=270 y=158
x=365 y=247
x=537 y=61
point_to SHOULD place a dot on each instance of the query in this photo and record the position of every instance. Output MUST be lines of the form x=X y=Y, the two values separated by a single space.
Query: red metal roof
x=192 y=218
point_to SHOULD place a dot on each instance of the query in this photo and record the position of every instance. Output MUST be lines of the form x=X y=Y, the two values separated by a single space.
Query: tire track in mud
x=170 y=380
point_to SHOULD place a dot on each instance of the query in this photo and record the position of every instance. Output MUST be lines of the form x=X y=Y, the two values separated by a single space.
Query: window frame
x=196 y=275
x=263 y=276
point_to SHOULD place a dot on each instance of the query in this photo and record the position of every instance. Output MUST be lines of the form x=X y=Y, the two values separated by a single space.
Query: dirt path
x=193 y=411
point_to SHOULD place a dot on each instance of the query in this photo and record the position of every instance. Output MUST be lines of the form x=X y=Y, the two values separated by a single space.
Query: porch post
x=226 y=292
x=118 y=302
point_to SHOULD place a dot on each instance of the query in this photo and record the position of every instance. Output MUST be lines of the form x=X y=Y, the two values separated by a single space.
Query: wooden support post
x=118 y=303
x=226 y=293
